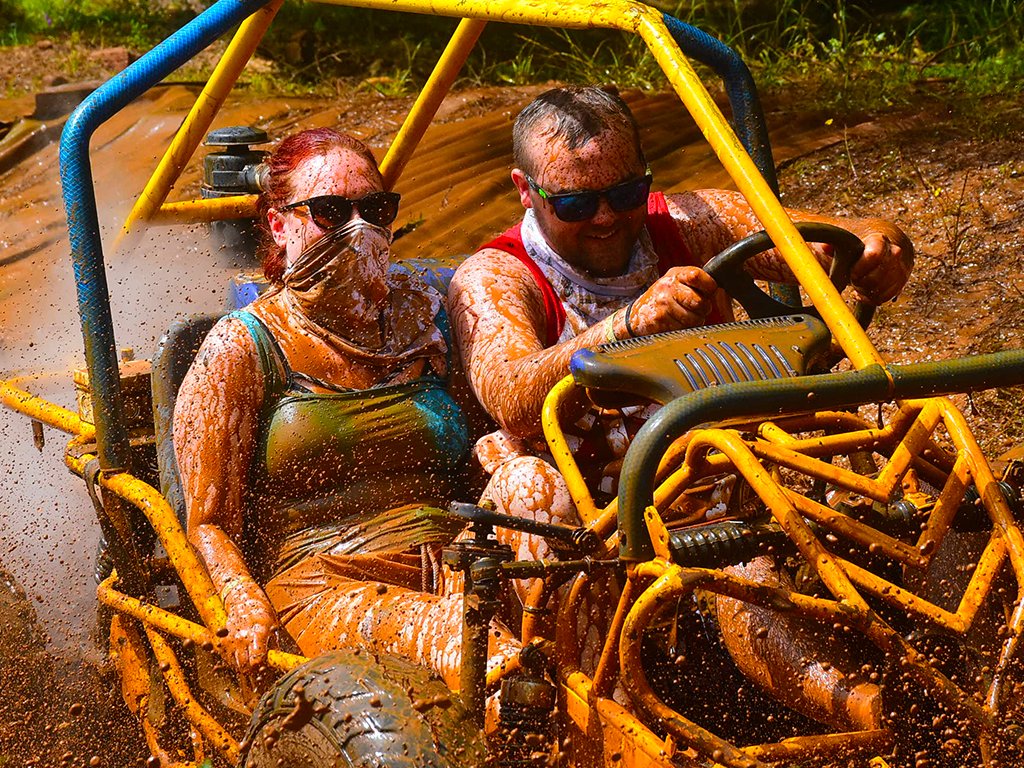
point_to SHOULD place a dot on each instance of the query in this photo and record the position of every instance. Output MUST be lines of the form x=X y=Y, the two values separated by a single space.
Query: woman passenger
x=315 y=434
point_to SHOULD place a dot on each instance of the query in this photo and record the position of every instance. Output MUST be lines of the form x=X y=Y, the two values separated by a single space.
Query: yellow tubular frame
x=45 y=412
x=708 y=452
x=198 y=120
x=703 y=453
x=430 y=98
x=174 y=677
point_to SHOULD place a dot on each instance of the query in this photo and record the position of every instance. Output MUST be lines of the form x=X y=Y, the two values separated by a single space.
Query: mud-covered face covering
x=345 y=276
x=342 y=275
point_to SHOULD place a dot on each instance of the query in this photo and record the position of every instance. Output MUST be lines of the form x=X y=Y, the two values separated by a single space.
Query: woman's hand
x=251 y=621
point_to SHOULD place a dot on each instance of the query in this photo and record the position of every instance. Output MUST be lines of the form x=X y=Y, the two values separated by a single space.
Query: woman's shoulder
x=230 y=344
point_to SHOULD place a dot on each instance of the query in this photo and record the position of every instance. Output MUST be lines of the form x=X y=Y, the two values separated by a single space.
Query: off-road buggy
x=867 y=481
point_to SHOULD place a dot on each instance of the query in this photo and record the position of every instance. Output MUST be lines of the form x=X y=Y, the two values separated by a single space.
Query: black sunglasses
x=580 y=206
x=333 y=211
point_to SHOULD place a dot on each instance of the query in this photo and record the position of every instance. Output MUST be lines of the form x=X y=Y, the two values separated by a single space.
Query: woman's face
x=338 y=172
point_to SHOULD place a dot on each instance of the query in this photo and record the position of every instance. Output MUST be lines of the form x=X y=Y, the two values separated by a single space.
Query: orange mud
x=458 y=188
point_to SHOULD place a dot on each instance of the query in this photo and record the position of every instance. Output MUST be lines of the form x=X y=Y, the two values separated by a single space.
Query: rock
x=114 y=59
x=44 y=45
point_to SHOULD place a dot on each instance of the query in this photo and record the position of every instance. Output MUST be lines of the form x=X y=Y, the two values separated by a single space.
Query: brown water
x=457 y=184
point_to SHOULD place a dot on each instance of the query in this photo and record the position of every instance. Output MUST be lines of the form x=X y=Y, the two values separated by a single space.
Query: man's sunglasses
x=333 y=211
x=581 y=206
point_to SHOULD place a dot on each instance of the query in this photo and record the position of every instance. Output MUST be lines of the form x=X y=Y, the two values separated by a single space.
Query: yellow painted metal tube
x=610 y=14
x=827 y=445
x=946 y=506
x=991 y=496
x=165 y=523
x=784 y=457
x=430 y=98
x=152 y=615
x=769 y=491
x=174 y=677
x=44 y=411
x=827 y=300
x=566 y=643
x=206 y=210
x=904 y=599
x=607 y=665
x=823 y=745
x=870 y=538
x=563 y=457
x=666 y=589
x=173 y=624
x=199 y=118
x=912 y=445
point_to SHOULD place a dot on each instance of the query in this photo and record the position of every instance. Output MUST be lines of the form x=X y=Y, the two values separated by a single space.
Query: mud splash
x=55 y=711
x=456 y=192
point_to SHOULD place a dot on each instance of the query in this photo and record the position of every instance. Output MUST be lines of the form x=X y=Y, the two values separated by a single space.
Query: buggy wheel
x=348 y=709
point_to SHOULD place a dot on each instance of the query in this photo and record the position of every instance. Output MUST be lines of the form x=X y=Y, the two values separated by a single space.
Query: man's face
x=602 y=244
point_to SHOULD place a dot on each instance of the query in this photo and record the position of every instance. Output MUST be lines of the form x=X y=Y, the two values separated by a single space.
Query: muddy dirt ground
x=955 y=183
x=956 y=186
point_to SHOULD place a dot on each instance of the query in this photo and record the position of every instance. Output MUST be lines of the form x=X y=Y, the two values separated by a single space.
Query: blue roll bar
x=83 y=220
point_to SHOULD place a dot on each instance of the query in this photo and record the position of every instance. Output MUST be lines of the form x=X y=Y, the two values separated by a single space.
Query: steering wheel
x=727 y=270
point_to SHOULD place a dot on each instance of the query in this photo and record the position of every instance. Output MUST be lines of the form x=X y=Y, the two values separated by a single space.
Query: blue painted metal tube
x=747 y=116
x=83 y=219
x=871 y=384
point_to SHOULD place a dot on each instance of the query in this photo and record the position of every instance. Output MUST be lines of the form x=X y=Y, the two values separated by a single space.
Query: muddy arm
x=711 y=219
x=498 y=316
x=215 y=423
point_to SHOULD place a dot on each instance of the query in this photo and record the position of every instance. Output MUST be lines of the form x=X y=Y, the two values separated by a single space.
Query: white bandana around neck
x=588 y=300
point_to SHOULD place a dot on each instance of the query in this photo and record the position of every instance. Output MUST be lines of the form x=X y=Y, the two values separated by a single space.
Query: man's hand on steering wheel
x=882 y=270
x=681 y=298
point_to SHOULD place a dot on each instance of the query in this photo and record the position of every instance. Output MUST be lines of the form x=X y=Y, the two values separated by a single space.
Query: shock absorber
x=727 y=542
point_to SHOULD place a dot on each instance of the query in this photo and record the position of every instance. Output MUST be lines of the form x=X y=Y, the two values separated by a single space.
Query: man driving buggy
x=598 y=257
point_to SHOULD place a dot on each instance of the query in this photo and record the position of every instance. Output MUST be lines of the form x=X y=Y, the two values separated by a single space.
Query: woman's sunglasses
x=333 y=211
x=581 y=206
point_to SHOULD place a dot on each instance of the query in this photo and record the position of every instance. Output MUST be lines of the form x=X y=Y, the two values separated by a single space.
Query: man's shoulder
x=492 y=275
x=492 y=260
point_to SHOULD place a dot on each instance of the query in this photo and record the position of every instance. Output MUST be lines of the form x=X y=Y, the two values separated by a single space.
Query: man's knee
x=529 y=486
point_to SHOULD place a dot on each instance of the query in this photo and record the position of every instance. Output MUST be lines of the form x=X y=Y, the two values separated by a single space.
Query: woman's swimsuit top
x=327 y=464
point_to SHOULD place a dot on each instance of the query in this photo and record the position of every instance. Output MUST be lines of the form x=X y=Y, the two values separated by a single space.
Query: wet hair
x=278 y=187
x=573 y=114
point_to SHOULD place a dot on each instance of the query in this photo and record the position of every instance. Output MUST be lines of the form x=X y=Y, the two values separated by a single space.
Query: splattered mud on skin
x=462 y=192
x=324 y=609
x=498 y=315
x=718 y=218
x=796 y=660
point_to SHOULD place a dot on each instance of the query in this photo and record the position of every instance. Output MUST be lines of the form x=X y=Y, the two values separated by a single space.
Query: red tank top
x=669 y=246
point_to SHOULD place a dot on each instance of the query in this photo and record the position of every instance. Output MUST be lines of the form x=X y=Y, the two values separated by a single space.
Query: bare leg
x=324 y=609
x=802 y=665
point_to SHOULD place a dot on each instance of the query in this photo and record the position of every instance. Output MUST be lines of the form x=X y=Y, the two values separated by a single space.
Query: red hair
x=278 y=187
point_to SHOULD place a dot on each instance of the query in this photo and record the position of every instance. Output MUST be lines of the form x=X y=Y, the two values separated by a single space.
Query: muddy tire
x=353 y=710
